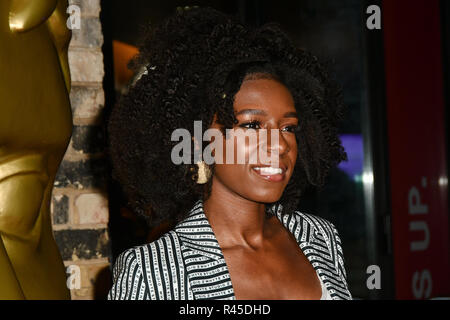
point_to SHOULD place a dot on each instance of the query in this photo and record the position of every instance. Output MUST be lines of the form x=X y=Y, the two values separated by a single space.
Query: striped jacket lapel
x=320 y=243
x=207 y=271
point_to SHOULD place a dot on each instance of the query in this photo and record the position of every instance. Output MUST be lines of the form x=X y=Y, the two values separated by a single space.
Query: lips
x=274 y=174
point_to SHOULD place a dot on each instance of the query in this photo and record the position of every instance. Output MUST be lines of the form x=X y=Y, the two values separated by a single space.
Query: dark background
x=336 y=32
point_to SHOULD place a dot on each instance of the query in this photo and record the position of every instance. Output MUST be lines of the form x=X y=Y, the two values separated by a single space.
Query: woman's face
x=261 y=104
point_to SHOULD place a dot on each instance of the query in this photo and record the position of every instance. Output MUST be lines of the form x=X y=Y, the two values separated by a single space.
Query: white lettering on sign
x=421 y=282
x=419 y=245
x=414 y=204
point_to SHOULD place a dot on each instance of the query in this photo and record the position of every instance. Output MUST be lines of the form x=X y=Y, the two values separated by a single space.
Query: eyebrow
x=252 y=112
x=290 y=114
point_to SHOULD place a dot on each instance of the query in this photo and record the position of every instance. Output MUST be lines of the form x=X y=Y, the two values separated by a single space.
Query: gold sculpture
x=35 y=129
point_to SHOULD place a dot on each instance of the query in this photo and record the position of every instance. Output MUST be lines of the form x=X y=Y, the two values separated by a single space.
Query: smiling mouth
x=270 y=173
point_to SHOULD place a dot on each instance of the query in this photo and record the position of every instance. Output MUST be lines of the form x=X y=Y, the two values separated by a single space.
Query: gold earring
x=204 y=172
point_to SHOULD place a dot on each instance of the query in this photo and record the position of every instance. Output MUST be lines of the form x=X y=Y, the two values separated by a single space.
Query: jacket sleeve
x=340 y=255
x=128 y=281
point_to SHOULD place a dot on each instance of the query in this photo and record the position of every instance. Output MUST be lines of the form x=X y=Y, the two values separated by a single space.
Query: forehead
x=266 y=94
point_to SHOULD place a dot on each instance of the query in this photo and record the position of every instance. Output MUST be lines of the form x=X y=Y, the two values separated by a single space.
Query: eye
x=291 y=128
x=251 y=125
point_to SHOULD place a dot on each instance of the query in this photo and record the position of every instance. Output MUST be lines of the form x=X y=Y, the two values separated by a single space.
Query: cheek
x=293 y=152
x=233 y=176
x=235 y=150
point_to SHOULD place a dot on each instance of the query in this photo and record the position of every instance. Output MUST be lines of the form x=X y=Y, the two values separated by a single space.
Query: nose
x=276 y=142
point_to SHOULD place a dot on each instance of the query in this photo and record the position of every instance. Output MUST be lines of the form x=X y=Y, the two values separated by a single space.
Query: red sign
x=418 y=170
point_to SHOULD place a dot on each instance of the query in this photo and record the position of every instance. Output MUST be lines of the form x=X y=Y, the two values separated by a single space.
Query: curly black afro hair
x=194 y=64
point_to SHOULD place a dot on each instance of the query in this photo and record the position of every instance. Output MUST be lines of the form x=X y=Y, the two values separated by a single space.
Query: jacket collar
x=196 y=233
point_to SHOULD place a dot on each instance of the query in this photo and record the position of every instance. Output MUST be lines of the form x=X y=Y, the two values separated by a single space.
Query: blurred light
x=367 y=177
x=443 y=181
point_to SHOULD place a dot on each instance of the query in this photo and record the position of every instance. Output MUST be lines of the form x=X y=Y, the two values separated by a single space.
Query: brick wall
x=80 y=204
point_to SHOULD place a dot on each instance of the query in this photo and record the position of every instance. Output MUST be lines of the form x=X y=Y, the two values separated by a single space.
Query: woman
x=236 y=232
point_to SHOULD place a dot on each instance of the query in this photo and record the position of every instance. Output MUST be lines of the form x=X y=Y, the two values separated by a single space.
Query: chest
x=279 y=271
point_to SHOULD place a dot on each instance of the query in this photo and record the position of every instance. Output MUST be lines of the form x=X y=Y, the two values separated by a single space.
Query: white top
x=325 y=294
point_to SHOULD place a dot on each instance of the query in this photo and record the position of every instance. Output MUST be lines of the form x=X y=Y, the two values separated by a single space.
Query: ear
x=25 y=15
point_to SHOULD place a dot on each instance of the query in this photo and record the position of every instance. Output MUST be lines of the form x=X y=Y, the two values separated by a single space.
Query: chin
x=265 y=196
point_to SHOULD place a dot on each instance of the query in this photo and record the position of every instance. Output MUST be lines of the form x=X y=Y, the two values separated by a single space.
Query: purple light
x=353 y=145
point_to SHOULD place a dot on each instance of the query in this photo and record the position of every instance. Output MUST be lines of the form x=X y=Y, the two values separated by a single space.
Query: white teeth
x=269 y=170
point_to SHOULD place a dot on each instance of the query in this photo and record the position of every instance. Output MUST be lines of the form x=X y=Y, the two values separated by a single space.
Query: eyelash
x=293 y=129
x=251 y=124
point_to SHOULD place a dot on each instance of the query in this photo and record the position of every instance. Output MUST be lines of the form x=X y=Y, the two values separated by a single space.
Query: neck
x=236 y=221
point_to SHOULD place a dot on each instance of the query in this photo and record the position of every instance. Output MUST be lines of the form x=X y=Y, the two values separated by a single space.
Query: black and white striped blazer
x=187 y=262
